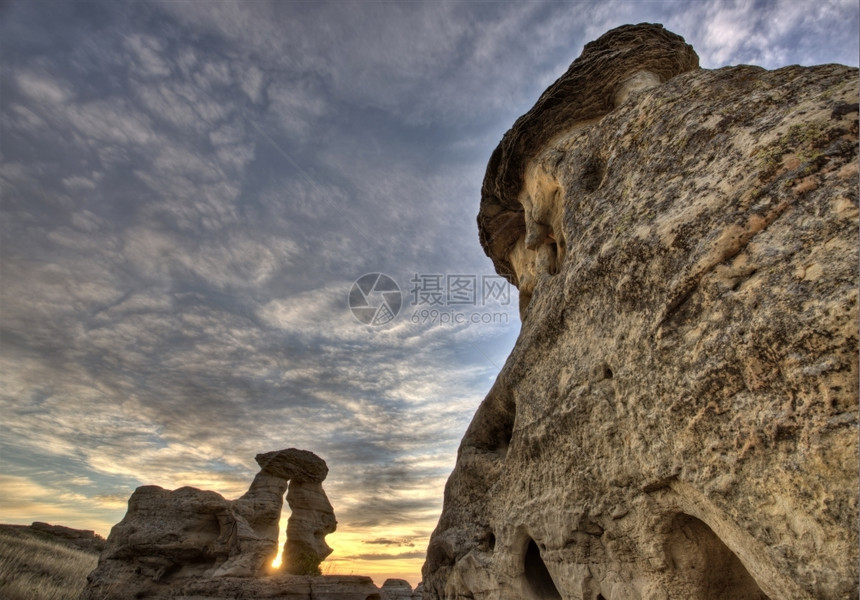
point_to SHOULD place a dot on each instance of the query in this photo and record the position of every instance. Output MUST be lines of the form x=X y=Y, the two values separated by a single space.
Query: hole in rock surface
x=704 y=566
x=593 y=172
x=487 y=543
x=537 y=575
x=553 y=261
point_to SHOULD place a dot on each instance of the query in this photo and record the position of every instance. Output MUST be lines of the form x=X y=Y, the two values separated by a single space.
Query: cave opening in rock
x=705 y=566
x=537 y=576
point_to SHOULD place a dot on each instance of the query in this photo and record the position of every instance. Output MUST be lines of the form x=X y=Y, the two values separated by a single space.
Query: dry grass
x=39 y=569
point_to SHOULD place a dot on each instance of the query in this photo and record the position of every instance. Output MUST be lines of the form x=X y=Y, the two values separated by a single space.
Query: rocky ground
x=45 y=562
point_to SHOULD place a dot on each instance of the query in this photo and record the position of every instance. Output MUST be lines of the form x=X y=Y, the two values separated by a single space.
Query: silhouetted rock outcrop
x=312 y=517
x=82 y=539
x=399 y=589
x=190 y=543
x=678 y=418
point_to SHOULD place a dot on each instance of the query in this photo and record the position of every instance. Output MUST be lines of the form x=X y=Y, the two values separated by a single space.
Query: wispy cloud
x=770 y=33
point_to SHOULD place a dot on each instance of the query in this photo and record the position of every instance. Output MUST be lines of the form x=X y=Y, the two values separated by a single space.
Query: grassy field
x=34 y=567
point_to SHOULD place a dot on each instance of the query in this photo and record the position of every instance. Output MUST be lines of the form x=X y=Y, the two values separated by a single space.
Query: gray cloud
x=388 y=542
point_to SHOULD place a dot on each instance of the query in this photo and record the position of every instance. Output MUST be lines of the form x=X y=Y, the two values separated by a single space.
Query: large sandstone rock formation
x=312 y=516
x=195 y=543
x=678 y=418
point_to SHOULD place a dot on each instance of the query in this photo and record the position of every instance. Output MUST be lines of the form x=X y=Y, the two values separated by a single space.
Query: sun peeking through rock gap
x=278 y=561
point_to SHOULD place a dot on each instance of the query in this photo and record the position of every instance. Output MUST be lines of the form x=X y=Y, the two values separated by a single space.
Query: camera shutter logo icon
x=375 y=299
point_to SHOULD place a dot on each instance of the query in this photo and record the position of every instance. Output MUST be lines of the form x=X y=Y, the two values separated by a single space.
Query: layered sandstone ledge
x=678 y=418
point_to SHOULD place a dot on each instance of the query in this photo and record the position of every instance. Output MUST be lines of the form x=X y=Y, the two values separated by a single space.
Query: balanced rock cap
x=293 y=463
x=590 y=89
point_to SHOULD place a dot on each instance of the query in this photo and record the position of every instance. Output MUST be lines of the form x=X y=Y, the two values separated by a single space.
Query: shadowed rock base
x=278 y=587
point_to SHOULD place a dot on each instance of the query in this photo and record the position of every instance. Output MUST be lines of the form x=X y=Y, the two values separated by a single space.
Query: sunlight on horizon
x=350 y=555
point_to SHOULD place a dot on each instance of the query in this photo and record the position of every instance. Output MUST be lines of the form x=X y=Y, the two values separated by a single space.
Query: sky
x=234 y=227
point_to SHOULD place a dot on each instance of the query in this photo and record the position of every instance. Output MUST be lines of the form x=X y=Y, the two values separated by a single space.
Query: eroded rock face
x=678 y=418
x=519 y=223
x=170 y=540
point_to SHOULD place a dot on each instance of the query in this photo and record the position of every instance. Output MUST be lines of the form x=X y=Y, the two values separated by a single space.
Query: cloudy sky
x=190 y=190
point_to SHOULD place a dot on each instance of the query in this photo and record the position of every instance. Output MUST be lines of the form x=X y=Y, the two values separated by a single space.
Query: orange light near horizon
x=354 y=556
x=350 y=547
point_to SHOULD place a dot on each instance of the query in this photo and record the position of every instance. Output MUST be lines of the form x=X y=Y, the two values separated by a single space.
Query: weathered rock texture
x=678 y=418
x=195 y=543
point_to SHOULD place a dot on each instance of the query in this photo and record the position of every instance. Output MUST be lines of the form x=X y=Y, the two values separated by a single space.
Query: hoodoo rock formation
x=190 y=543
x=311 y=517
x=678 y=418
